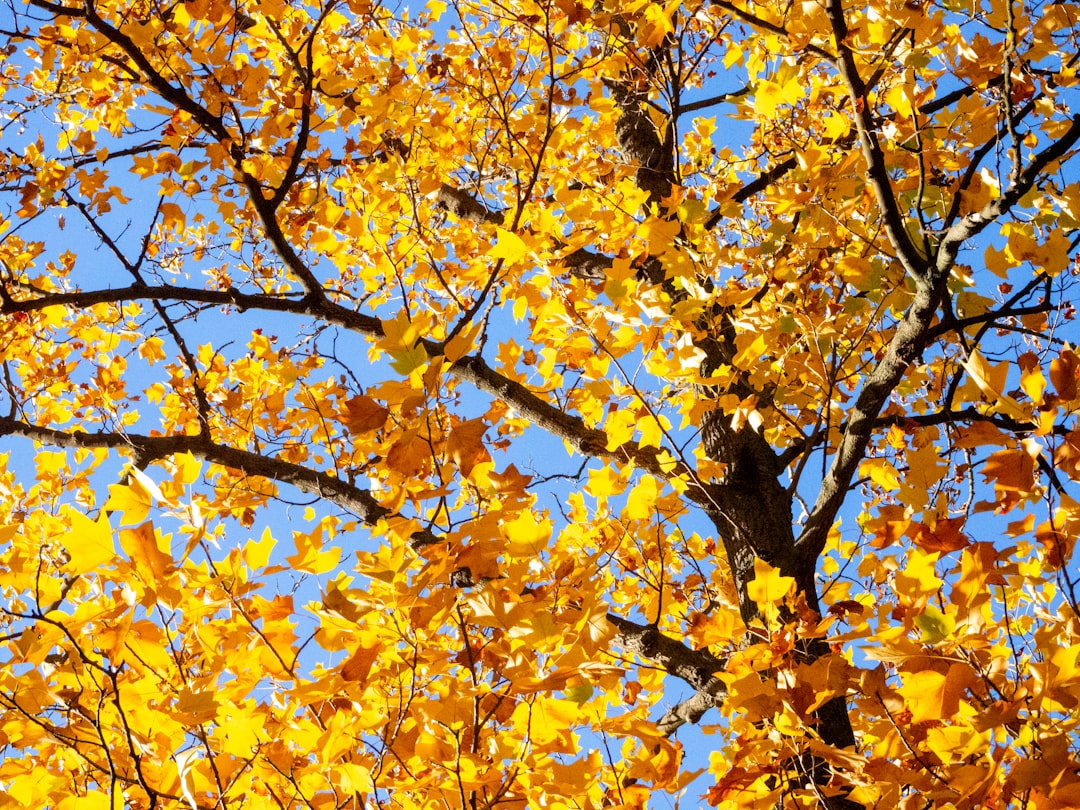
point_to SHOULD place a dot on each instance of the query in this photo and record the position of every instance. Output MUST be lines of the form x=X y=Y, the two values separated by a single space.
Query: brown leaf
x=363 y=414
x=1067 y=455
x=1056 y=542
x=1064 y=371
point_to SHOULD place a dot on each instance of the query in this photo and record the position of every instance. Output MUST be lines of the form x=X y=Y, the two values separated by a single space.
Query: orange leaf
x=143 y=547
x=466 y=445
x=890 y=525
x=358 y=666
x=409 y=455
x=1067 y=454
x=944 y=536
x=1057 y=543
x=510 y=480
x=1010 y=470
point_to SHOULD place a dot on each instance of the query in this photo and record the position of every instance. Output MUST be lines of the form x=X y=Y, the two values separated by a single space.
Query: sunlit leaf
x=89 y=543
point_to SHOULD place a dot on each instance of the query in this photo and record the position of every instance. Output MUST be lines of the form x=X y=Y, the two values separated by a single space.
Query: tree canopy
x=539 y=404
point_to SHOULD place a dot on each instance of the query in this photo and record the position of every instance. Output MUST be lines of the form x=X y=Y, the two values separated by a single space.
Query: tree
x=626 y=367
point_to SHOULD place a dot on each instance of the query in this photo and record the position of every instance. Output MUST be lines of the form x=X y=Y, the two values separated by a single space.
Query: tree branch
x=697 y=667
x=969 y=414
x=971 y=225
x=907 y=344
x=463 y=205
x=877 y=172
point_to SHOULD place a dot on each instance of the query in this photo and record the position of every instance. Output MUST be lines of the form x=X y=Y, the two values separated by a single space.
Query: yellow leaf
x=899 y=98
x=932 y=695
x=1055 y=255
x=619 y=427
x=406 y=361
x=97 y=800
x=257 y=554
x=526 y=535
x=916 y=581
x=150 y=349
x=549 y=722
x=605 y=481
x=991 y=381
x=309 y=555
x=619 y=280
x=857 y=271
x=659 y=234
x=140 y=480
x=188 y=467
x=642 y=498
x=349 y=776
x=653 y=26
x=924 y=694
x=734 y=54
x=925 y=470
x=769 y=587
x=1032 y=379
x=89 y=543
x=770 y=95
x=196 y=707
x=240 y=730
x=881 y=473
x=400 y=332
x=836 y=127
x=652 y=430
x=132 y=502
x=508 y=246
x=461 y=344
x=751 y=354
